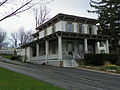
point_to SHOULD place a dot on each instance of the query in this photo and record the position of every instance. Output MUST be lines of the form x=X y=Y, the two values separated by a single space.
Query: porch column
x=47 y=49
x=86 y=45
x=25 y=51
x=25 y=55
x=30 y=52
x=37 y=47
x=107 y=46
x=59 y=48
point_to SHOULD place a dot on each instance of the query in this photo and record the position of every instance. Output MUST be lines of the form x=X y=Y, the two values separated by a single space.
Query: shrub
x=112 y=67
x=4 y=54
x=113 y=58
x=99 y=59
x=14 y=57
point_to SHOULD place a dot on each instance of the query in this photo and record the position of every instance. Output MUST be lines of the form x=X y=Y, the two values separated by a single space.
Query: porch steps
x=70 y=63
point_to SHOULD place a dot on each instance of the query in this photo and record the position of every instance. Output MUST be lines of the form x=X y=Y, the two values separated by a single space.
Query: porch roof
x=35 y=34
x=70 y=35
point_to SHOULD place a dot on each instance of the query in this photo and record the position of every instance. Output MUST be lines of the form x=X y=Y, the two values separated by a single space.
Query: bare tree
x=21 y=37
x=24 y=36
x=29 y=34
x=2 y=38
x=14 y=38
x=10 y=8
x=41 y=14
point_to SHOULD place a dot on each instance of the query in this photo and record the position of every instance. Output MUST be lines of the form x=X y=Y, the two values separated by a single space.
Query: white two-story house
x=62 y=39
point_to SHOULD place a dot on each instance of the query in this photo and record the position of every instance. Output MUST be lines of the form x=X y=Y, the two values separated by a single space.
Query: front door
x=90 y=49
x=69 y=47
x=80 y=48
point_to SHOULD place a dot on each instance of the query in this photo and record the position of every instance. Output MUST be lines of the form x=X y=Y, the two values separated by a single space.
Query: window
x=42 y=49
x=69 y=46
x=33 y=50
x=90 y=48
x=54 y=47
x=45 y=32
x=80 y=28
x=69 y=27
x=90 y=29
x=81 y=48
x=53 y=28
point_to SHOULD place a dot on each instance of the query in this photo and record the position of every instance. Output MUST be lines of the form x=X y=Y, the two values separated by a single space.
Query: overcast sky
x=26 y=19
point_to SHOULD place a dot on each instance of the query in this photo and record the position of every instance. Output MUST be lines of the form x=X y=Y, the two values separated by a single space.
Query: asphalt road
x=68 y=78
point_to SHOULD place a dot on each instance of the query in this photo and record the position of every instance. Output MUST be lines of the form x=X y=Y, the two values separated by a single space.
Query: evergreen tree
x=108 y=17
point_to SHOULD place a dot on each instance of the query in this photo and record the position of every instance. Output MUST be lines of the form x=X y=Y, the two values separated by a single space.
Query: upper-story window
x=53 y=28
x=80 y=28
x=45 y=32
x=69 y=27
x=90 y=29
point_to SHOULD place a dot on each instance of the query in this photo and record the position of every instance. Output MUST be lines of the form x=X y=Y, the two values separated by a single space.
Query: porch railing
x=73 y=55
x=52 y=56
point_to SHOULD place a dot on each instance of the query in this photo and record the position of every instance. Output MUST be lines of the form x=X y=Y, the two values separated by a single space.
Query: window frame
x=82 y=51
x=53 y=28
x=45 y=32
x=71 y=46
x=78 y=28
x=72 y=28
x=90 y=29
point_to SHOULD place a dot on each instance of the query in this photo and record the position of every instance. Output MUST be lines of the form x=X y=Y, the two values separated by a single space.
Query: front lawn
x=10 y=80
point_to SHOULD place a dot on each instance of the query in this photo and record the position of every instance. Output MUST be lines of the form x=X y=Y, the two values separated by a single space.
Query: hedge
x=4 y=54
x=100 y=59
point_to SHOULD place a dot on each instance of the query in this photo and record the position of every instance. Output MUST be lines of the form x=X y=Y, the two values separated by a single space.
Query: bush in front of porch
x=100 y=59
x=11 y=56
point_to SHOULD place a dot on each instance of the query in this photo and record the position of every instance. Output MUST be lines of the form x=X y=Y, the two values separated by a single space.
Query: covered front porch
x=62 y=46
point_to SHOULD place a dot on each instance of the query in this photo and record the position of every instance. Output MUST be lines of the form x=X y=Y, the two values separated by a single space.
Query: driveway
x=68 y=78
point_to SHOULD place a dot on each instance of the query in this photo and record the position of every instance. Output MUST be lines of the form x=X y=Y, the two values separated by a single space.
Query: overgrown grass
x=14 y=81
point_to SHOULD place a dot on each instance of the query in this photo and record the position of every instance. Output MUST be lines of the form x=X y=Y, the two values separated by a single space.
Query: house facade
x=63 y=39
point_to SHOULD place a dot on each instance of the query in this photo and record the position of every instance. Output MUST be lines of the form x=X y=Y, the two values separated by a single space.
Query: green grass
x=10 y=80
x=8 y=57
